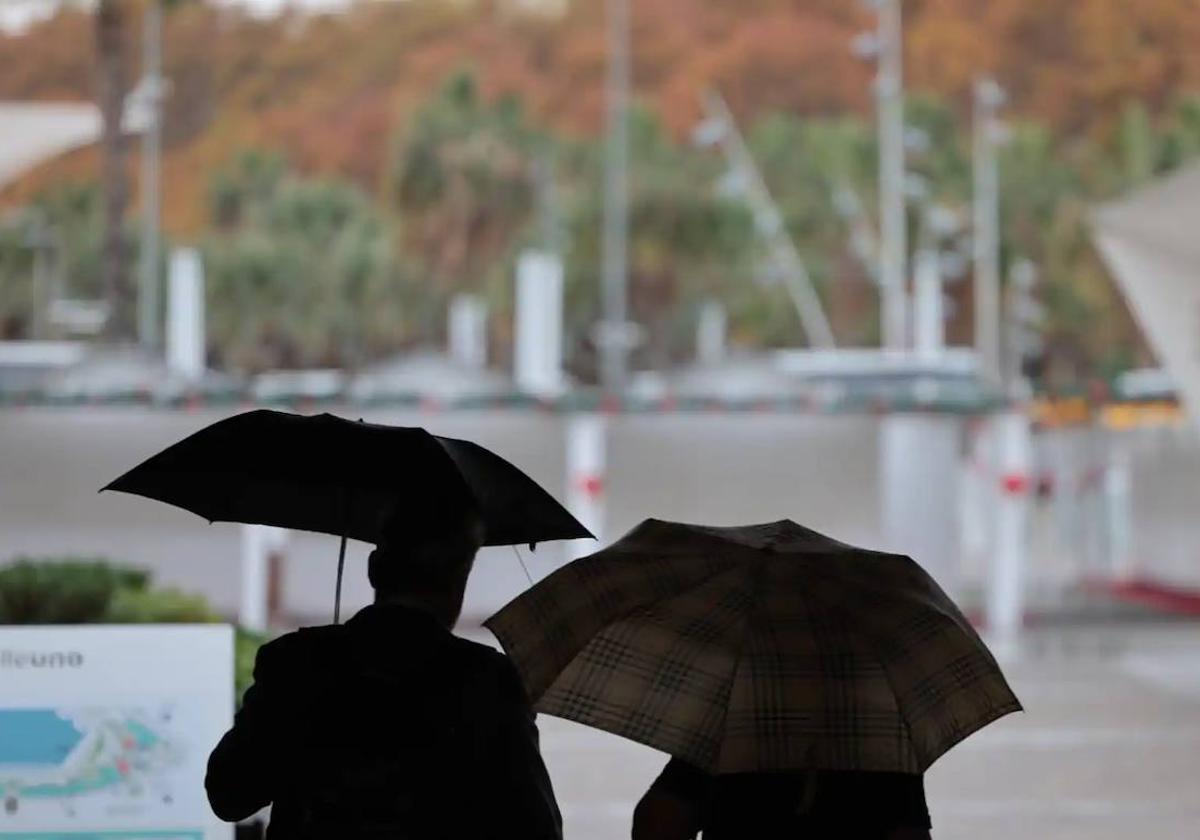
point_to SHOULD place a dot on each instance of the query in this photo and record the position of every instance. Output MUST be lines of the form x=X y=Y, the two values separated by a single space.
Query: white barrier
x=1013 y=461
x=586 y=477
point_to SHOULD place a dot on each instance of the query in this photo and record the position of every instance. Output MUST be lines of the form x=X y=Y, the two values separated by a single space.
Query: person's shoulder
x=300 y=644
x=478 y=655
x=487 y=664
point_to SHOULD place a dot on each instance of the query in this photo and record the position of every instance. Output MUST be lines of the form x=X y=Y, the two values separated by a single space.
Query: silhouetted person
x=815 y=805
x=389 y=726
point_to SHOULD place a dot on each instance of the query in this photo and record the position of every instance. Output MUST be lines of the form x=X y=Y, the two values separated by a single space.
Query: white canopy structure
x=35 y=132
x=1151 y=242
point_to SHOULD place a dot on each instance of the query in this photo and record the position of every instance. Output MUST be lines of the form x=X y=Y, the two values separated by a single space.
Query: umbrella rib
x=756 y=595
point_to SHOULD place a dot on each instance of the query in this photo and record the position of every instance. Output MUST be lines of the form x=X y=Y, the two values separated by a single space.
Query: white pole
x=259 y=542
x=468 y=331
x=537 y=362
x=1012 y=476
x=185 y=314
x=711 y=333
x=893 y=228
x=919 y=487
x=586 y=477
x=253 y=611
x=928 y=321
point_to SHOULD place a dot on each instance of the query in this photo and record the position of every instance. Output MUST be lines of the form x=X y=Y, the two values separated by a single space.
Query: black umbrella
x=336 y=476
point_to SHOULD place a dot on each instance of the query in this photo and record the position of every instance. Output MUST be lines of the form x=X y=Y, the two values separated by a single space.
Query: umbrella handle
x=337 y=592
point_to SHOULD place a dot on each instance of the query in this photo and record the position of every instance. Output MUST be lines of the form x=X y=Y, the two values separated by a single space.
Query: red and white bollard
x=586 y=477
x=1012 y=452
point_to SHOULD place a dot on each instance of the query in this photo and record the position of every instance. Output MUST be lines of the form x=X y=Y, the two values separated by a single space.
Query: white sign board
x=105 y=731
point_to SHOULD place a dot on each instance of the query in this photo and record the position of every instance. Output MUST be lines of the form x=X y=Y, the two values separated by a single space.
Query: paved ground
x=1108 y=749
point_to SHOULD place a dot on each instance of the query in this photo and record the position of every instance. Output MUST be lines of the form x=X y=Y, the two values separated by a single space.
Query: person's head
x=427 y=568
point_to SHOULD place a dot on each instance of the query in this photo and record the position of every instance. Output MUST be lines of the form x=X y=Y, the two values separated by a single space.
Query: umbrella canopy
x=335 y=476
x=757 y=648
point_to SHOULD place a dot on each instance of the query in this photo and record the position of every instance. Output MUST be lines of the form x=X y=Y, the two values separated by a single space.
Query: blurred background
x=921 y=274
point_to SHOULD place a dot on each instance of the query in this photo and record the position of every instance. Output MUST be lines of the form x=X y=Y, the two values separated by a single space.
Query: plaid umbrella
x=756 y=648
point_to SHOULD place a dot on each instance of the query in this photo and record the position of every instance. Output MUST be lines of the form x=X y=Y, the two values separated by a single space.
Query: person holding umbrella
x=801 y=685
x=387 y=726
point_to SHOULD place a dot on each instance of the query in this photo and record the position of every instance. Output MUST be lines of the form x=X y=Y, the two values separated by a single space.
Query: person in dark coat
x=389 y=726
x=805 y=805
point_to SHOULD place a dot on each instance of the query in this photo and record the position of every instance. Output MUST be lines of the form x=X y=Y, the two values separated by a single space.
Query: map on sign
x=67 y=764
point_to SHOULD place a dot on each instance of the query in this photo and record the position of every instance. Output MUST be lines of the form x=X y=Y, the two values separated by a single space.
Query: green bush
x=68 y=591
x=158 y=606
x=245 y=647
x=94 y=591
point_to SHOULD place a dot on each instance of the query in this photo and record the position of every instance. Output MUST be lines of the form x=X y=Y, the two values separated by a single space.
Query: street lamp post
x=893 y=227
x=986 y=234
x=612 y=336
x=148 y=277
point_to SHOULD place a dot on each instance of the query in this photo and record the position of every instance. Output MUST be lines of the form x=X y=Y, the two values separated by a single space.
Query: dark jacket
x=388 y=726
x=822 y=804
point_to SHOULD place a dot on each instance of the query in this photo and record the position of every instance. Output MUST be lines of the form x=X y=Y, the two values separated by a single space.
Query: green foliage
x=463 y=181
x=69 y=591
x=687 y=241
x=245 y=648
x=158 y=606
x=16 y=282
x=93 y=591
x=64 y=223
x=1182 y=133
x=301 y=271
x=314 y=271
x=308 y=271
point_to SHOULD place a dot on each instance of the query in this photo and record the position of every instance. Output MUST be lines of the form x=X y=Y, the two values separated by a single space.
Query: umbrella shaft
x=337 y=593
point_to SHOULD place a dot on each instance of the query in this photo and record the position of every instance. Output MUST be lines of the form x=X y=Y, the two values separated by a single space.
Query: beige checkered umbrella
x=756 y=648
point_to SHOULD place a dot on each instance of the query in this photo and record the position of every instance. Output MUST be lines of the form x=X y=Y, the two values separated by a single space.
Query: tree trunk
x=112 y=85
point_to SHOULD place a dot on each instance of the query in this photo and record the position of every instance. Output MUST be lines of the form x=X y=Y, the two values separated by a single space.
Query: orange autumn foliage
x=331 y=91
